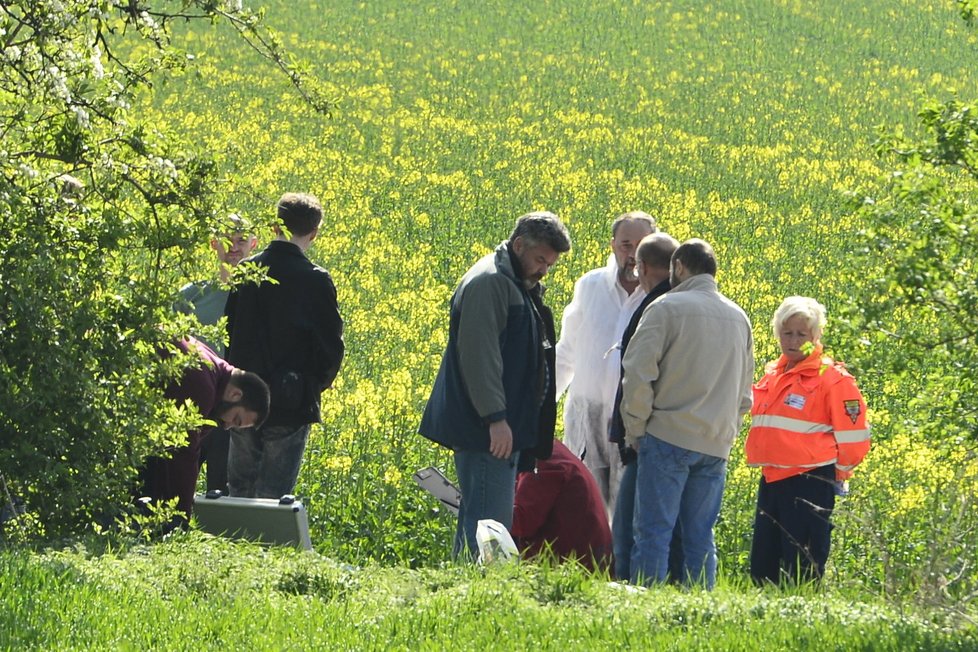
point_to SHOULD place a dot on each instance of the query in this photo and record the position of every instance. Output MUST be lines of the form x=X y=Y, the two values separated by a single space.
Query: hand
x=628 y=454
x=500 y=439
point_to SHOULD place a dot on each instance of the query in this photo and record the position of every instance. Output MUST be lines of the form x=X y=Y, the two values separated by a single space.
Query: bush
x=100 y=209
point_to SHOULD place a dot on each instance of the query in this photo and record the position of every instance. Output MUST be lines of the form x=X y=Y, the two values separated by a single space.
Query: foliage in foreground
x=195 y=592
x=920 y=312
x=99 y=205
x=916 y=318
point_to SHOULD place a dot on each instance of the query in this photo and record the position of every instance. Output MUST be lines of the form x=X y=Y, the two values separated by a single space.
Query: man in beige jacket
x=686 y=386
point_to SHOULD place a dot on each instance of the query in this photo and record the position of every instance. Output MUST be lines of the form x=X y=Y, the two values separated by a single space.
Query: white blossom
x=97 y=70
x=81 y=116
x=164 y=166
x=147 y=20
x=27 y=171
x=59 y=84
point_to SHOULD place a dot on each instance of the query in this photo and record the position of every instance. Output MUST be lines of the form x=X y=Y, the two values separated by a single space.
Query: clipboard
x=434 y=482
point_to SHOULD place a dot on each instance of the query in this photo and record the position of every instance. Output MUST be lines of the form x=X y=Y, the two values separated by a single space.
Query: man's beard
x=531 y=282
x=217 y=414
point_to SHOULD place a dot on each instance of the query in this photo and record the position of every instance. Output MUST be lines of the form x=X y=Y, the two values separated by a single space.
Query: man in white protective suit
x=588 y=354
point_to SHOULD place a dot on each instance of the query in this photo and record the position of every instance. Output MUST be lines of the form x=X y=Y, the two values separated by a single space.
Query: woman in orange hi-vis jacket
x=808 y=431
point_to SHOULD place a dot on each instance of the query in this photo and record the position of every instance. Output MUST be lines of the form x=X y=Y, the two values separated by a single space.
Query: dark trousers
x=214 y=453
x=791 y=527
x=163 y=478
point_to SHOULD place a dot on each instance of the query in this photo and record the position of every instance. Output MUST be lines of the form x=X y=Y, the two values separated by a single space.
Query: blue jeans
x=264 y=462
x=622 y=530
x=621 y=525
x=488 y=487
x=676 y=485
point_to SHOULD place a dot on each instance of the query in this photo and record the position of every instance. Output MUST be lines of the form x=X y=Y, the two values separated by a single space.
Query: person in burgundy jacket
x=559 y=506
x=228 y=396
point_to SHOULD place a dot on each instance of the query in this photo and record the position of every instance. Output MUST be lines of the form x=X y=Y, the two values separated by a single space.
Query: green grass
x=199 y=593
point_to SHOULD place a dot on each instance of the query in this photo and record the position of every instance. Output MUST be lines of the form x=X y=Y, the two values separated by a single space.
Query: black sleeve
x=327 y=327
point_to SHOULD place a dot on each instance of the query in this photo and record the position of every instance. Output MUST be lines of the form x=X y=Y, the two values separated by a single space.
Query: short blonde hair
x=810 y=309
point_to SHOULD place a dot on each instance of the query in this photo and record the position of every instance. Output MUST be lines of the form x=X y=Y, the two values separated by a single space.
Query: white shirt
x=588 y=352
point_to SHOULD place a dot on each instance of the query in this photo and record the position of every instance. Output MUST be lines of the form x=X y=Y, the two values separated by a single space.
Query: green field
x=749 y=123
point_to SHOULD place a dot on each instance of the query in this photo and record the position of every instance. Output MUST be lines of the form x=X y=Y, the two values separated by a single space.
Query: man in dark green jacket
x=493 y=401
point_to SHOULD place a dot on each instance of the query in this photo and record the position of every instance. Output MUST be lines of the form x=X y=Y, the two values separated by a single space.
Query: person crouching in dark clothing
x=231 y=397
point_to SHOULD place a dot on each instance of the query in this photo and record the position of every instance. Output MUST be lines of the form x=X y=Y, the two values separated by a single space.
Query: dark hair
x=633 y=216
x=656 y=249
x=697 y=257
x=255 y=396
x=300 y=213
x=542 y=227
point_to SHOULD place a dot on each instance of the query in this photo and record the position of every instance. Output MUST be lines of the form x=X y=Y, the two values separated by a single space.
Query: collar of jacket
x=813 y=364
x=509 y=265
x=285 y=247
x=698 y=283
x=660 y=289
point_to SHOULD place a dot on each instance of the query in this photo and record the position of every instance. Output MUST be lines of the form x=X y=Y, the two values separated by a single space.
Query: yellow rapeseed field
x=744 y=122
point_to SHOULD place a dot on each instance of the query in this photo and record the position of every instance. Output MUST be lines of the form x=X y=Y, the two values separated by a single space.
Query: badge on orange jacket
x=853 y=409
x=796 y=401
